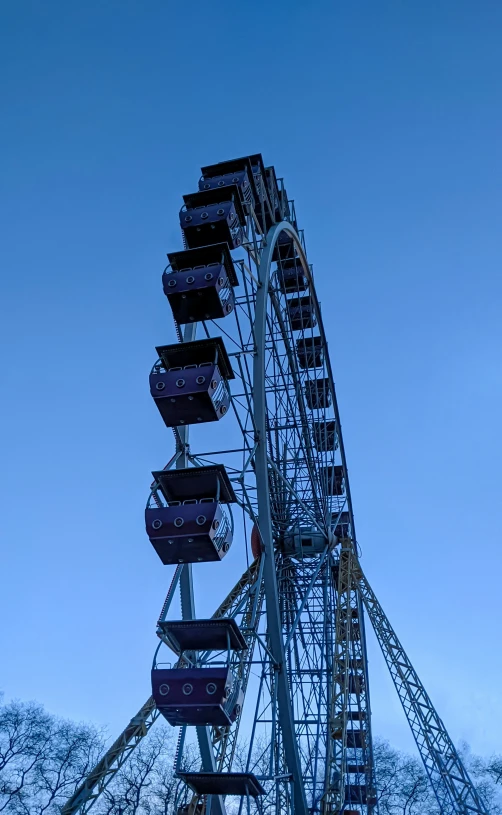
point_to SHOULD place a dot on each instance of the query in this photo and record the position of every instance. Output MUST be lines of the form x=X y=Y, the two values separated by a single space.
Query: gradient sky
x=385 y=120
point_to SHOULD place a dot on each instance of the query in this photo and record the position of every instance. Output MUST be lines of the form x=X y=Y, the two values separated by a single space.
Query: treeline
x=43 y=759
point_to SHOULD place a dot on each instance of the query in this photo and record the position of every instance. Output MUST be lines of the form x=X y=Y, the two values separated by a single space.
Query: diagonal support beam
x=99 y=778
x=450 y=780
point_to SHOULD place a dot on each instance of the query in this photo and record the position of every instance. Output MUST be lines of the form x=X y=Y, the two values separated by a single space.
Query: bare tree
x=24 y=741
x=493 y=768
x=130 y=792
x=403 y=786
x=42 y=758
x=169 y=792
x=487 y=775
x=147 y=784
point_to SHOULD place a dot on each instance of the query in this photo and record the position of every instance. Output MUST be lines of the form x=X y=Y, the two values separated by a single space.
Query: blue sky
x=385 y=120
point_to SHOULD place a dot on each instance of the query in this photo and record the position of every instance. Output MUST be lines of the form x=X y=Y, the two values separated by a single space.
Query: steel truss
x=453 y=788
x=306 y=721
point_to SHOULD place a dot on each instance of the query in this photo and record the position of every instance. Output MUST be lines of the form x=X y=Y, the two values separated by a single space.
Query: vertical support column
x=285 y=712
x=186 y=580
x=342 y=676
x=349 y=699
x=215 y=802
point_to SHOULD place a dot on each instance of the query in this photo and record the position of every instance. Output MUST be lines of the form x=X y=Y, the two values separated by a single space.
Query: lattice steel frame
x=302 y=616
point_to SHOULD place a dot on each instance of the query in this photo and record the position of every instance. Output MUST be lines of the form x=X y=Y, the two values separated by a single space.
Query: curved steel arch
x=277 y=646
x=266 y=262
x=265 y=519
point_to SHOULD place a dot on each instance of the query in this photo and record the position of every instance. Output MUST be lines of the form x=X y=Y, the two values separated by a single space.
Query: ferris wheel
x=259 y=471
